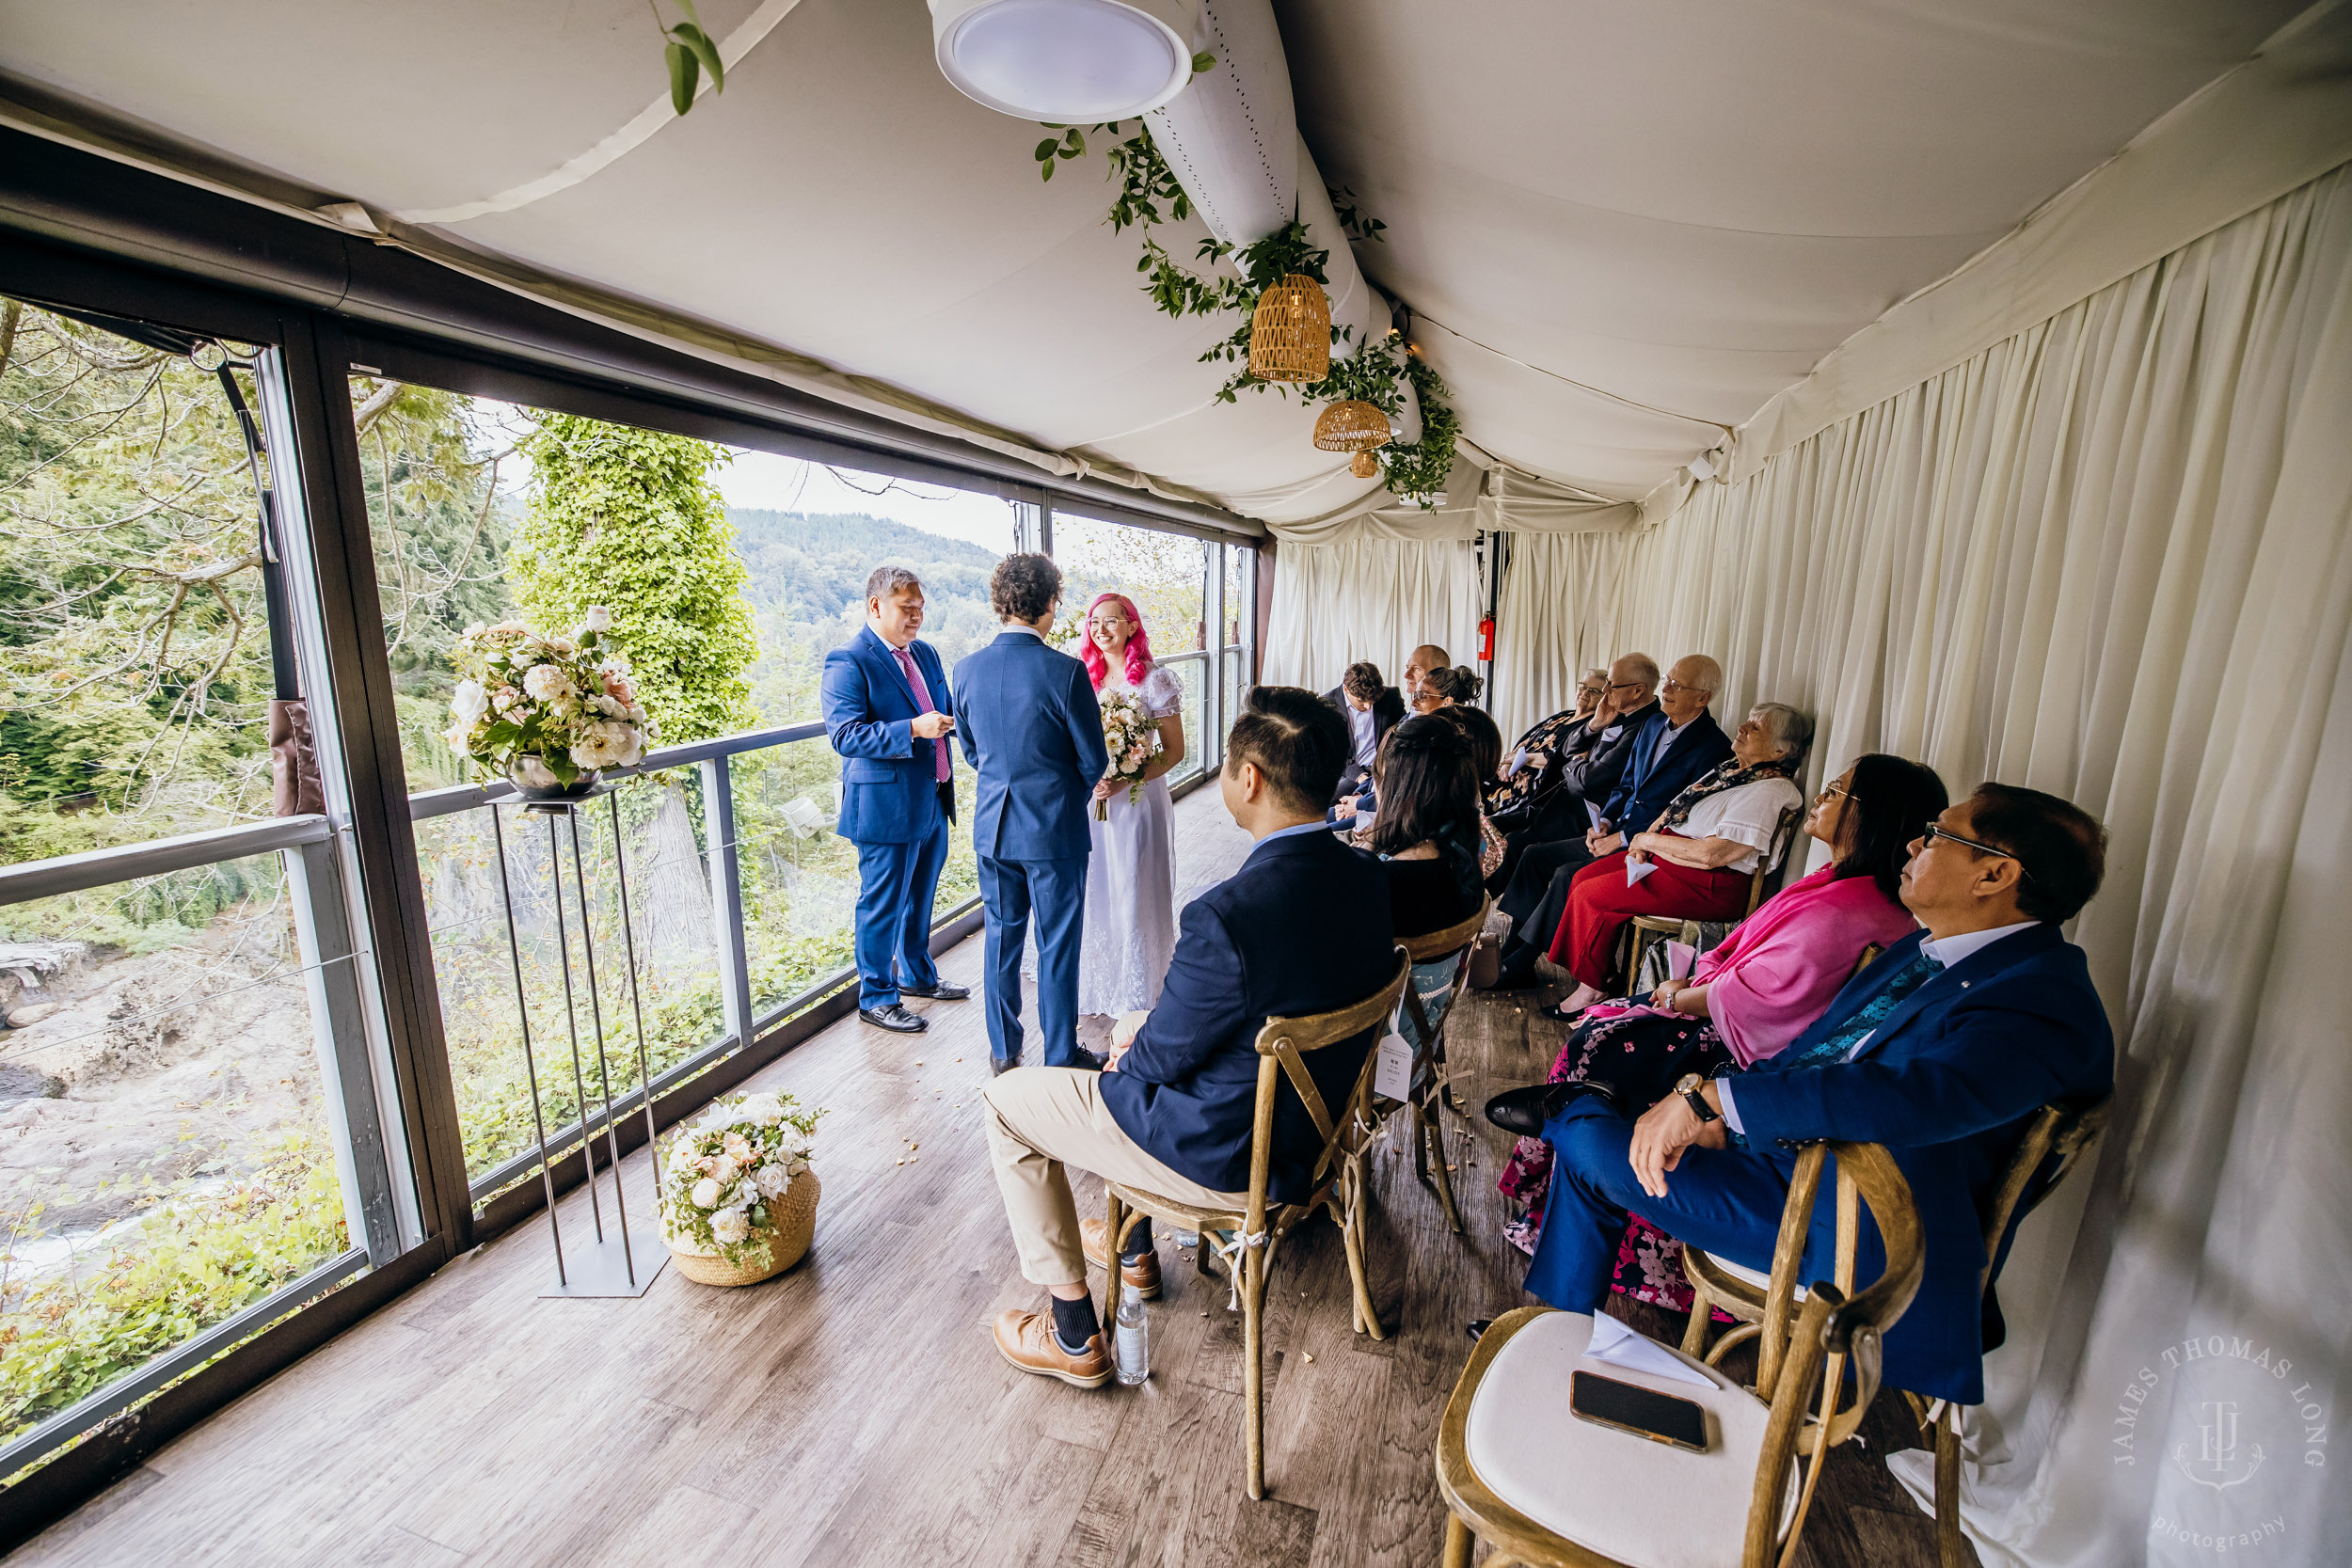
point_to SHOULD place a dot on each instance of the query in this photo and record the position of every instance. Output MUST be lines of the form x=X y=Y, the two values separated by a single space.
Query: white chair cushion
x=1757 y=1277
x=1643 y=1503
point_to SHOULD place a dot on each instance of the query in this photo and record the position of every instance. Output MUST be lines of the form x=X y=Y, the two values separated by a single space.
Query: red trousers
x=1599 y=904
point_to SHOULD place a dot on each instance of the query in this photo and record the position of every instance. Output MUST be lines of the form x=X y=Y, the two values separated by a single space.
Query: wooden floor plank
x=854 y=1410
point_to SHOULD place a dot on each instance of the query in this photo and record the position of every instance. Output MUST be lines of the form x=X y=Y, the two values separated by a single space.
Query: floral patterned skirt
x=1612 y=1037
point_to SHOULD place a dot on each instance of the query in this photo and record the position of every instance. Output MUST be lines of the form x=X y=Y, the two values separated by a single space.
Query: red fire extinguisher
x=1487 y=639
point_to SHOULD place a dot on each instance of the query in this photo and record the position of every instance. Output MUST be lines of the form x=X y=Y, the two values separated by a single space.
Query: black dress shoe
x=1524 y=1111
x=940 y=992
x=893 y=1018
x=999 y=1066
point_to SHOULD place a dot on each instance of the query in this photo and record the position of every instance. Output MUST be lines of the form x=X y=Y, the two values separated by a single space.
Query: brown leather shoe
x=1143 y=1274
x=1027 y=1340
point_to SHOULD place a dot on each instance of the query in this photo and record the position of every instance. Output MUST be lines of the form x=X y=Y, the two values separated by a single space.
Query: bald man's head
x=1426 y=658
x=1691 y=685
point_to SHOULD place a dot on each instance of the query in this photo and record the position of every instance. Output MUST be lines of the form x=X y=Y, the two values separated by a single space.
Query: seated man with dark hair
x=1302 y=928
x=1371 y=709
x=1942 y=1050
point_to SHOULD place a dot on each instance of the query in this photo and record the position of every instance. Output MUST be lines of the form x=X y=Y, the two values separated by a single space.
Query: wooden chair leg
x=1731 y=1340
x=1253 y=1369
x=1702 y=1319
x=1114 y=1221
x=1951 y=1547
x=1458 y=1542
x=1438 y=1169
x=1421 y=1145
x=1352 y=1233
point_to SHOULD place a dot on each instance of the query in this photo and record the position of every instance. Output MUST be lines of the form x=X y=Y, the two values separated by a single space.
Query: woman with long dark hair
x=1747 y=998
x=1426 y=828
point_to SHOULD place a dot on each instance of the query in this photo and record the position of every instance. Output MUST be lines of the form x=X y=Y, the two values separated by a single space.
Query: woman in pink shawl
x=1746 y=999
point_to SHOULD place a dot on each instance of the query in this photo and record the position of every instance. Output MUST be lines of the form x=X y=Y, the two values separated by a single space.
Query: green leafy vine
x=1149 y=195
x=687 y=54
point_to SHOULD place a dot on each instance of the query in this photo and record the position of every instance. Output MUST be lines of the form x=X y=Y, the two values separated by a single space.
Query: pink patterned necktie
x=923 y=700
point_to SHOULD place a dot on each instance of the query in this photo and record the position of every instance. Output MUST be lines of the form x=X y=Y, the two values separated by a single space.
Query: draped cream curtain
x=2110 y=557
x=1374 y=598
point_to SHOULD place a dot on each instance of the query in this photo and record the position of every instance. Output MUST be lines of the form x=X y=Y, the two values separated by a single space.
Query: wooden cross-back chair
x=1257 y=1229
x=1426 y=1095
x=1645 y=930
x=2053 y=1144
x=1547 y=1489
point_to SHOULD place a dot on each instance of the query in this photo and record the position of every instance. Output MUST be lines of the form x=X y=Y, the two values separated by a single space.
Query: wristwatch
x=1688 y=1087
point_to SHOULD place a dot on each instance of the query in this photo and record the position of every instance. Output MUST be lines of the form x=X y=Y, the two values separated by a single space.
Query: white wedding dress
x=1130 y=931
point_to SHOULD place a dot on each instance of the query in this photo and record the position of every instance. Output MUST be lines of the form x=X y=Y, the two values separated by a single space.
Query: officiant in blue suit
x=889 y=713
x=1033 y=729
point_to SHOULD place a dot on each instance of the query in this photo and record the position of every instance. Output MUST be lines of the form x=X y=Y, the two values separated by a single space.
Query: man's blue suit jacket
x=1033 y=729
x=889 y=774
x=1948 y=1082
x=1302 y=928
x=1650 y=783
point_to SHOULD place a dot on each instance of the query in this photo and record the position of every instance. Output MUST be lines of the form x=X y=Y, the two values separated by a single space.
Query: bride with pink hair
x=1130 y=929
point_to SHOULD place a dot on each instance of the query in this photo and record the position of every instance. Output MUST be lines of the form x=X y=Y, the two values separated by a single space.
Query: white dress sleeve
x=1163 y=693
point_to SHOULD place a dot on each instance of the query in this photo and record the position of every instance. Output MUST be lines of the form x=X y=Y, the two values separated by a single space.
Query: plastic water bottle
x=1133 y=1339
x=1187 y=1238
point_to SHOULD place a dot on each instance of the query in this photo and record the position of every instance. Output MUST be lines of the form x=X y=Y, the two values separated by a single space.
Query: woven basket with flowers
x=738 y=1200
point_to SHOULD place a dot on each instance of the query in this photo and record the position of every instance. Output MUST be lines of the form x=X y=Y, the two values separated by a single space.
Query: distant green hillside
x=807 y=586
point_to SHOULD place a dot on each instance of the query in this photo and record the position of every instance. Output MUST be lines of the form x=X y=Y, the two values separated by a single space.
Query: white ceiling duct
x=1231 y=137
x=1068 y=62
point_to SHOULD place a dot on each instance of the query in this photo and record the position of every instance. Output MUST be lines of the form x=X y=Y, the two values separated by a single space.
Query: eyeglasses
x=1623 y=686
x=1833 y=787
x=1672 y=685
x=1934 y=833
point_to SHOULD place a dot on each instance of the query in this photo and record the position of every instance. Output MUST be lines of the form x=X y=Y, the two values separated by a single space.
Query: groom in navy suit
x=1942 y=1050
x=888 y=713
x=1033 y=729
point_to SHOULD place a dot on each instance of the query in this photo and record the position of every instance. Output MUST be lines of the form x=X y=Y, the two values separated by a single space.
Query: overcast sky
x=759 y=479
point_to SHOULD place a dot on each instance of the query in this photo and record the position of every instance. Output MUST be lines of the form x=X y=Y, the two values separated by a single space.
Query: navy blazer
x=889 y=774
x=1302 y=928
x=1650 y=783
x=1948 y=1082
x=1033 y=729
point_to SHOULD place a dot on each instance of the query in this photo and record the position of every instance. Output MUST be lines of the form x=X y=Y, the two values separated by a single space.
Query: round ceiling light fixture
x=1067 y=62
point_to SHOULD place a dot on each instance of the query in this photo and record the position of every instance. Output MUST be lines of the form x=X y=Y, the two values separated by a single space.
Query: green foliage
x=1418 y=472
x=687 y=54
x=134 y=669
x=628 y=518
x=205 y=1249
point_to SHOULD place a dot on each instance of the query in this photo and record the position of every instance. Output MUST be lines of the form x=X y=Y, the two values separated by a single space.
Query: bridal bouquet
x=723 y=1170
x=546 y=710
x=1132 y=736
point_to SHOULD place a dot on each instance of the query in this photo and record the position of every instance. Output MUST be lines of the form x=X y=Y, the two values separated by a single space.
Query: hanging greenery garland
x=1149 y=195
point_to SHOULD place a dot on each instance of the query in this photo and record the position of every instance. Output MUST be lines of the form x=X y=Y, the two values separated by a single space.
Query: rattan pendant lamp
x=1290 y=332
x=1353 y=425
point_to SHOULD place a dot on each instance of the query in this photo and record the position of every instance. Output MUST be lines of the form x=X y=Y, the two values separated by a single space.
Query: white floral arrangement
x=545 y=711
x=721 y=1171
x=1132 y=736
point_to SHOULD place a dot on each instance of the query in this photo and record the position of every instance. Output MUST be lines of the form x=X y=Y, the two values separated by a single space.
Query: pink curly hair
x=1139 y=646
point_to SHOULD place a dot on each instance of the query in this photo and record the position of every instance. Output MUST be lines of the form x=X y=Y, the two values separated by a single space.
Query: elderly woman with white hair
x=1695 y=861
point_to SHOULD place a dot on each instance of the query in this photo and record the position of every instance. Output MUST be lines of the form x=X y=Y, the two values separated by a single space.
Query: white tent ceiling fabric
x=2110 y=557
x=1624 y=230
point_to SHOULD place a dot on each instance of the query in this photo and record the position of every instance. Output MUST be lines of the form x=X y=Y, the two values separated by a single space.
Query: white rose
x=771 y=1180
x=547 y=683
x=726 y=1170
x=598 y=619
x=470 y=702
x=797 y=1165
x=705 y=1194
x=764 y=1109
x=730 y=1226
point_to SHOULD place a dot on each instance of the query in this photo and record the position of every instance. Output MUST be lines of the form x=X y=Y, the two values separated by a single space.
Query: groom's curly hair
x=1023 y=586
x=1299 y=742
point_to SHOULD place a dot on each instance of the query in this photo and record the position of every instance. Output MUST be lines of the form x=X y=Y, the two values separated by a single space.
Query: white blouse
x=1745 y=815
x=1163 y=691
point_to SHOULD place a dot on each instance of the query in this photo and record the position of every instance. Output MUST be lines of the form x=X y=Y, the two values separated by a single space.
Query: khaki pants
x=1041 y=1118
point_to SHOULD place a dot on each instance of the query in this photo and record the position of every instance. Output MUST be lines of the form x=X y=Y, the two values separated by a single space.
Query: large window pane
x=1166 y=576
x=170 y=1102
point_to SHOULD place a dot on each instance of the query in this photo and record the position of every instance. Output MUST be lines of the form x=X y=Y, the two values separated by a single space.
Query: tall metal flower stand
x=618 y=1259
